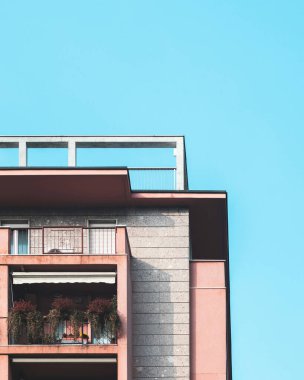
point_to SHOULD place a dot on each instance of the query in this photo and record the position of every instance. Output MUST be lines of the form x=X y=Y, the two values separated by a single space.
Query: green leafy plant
x=65 y=306
x=112 y=320
x=77 y=319
x=96 y=314
x=53 y=320
x=18 y=318
x=34 y=326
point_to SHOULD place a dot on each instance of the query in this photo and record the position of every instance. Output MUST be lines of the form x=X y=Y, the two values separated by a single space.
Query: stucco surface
x=159 y=241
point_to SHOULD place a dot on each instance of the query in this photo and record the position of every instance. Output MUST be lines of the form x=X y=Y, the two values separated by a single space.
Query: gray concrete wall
x=159 y=240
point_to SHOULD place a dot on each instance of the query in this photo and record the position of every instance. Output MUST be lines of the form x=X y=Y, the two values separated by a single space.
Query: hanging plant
x=34 y=326
x=112 y=320
x=77 y=319
x=17 y=318
x=96 y=314
x=53 y=319
x=65 y=306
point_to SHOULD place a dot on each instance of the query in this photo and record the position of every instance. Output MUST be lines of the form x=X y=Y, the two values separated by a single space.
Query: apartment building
x=111 y=273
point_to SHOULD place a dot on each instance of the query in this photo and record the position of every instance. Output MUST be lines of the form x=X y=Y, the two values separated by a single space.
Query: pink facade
x=208 y=355
x=121 y=261
x=208 y=321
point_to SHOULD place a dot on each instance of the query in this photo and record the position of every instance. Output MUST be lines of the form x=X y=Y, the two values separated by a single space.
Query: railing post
x=22 y=153
x=72 y=159
x=121 y=248
x=4 y=241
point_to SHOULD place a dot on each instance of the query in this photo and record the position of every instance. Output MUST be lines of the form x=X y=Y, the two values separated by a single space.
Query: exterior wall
x=159 y=241
x=208 y=321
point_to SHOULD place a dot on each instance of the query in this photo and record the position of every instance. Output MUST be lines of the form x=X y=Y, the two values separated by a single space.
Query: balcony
x=63 y=308
x=70 y=240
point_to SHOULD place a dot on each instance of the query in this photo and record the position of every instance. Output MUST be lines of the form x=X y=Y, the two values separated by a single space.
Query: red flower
x=63 y=304
x=99 y=305
x=23 y=306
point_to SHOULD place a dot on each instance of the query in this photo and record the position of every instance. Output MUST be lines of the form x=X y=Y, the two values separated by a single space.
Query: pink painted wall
x=124 y=299
x=5 y=370
x=208 y=321
x=4 y=241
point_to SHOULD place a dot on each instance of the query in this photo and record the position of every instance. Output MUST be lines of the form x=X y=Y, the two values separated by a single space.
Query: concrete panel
x=161 y=350
x=162 y=361
x=140 y=319
x=156 y=242
x=160 y=340
x=161 y=372
x=163 y=286
x=207 y=274
x=164 y=328
x=178 y=231
x=208 y=323
x=158 y=253
x=162 y=308
x=160 y=275
x=161 y=297
x=163 y=263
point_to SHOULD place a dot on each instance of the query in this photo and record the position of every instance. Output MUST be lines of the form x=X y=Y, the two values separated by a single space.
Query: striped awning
x=20 y=278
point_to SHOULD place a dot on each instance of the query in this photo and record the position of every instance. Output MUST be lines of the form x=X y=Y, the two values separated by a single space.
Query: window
x=18 y=236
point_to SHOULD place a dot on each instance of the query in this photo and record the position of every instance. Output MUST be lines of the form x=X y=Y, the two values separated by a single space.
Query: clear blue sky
x=226 y=74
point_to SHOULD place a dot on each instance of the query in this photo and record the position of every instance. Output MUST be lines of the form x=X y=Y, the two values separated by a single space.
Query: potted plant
x=85 y=338
x=96 y=315
x=24 y=321
x=77 y=319
x=62 y=309
x=34 y=326
x=112 y=320
x=104 y=319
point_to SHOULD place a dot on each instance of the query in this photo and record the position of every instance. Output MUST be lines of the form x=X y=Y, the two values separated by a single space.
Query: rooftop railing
x=153 y=178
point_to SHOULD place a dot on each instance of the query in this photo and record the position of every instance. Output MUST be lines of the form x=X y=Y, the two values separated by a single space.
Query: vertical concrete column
x=5 y=371
x=180 y=165
x=124 y=297
x=4 y=291
x=22 y=153
x=208 y=321
x=120 y=241
x=4 y=241
x=72 y=159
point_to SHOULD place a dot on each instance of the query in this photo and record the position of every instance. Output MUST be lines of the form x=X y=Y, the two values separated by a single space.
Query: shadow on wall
x=160 y=323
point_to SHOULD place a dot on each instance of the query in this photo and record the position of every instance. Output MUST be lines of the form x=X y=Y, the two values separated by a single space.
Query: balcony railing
x=63 y=240
x=64 y=335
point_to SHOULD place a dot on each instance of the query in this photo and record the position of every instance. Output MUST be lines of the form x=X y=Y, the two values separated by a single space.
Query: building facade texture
x=169 y=255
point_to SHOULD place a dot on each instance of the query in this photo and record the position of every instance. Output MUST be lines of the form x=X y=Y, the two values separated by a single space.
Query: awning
x=64 y=360
x=20 y=278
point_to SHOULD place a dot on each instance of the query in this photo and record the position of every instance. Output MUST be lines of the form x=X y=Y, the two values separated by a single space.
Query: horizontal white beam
x=64 y=360
x=20 y=278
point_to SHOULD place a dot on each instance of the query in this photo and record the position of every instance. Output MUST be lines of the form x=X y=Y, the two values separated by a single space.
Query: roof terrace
x=141 y=177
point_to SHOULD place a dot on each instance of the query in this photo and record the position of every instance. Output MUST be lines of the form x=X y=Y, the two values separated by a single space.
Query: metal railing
x=64 y=335
x=153 y=178
x=63 y=240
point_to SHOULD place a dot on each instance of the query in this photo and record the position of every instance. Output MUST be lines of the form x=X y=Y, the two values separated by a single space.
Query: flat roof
x=85 y=187
x=75 y=188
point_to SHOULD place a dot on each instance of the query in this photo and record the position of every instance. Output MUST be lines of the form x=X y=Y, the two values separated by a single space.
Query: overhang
x=93 y=188
x=78 y=188
x=64 y=360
